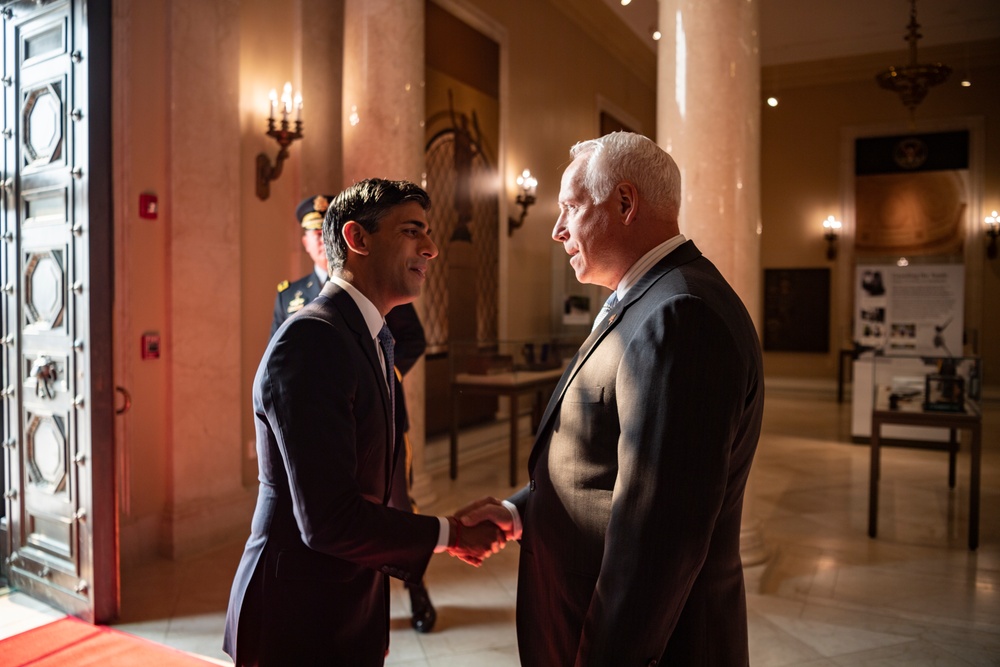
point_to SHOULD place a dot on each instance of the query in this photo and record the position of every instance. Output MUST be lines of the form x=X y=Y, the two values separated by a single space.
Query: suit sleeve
x=320 y=396
x=409 y=335
x=679 y=397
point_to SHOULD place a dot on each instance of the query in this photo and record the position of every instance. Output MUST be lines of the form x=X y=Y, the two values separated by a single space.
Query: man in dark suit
x=312 y=585
x=410 y=343
x=630 y=524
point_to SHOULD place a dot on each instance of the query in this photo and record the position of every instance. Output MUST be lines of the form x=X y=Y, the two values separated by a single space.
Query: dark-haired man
x=410 y=343
x=312 y=585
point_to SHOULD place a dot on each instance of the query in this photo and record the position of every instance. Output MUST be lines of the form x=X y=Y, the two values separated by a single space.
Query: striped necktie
x=387 y=342
x=605 y=309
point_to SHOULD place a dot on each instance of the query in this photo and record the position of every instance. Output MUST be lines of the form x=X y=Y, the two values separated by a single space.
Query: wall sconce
x=525 y=198
x=992 y=231
x=265 y=172
x=832 y=227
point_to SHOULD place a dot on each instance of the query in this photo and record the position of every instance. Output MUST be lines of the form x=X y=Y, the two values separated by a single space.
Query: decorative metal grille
x=480 y=207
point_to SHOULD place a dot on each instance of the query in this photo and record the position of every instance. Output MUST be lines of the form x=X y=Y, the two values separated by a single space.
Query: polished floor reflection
x=827 y=594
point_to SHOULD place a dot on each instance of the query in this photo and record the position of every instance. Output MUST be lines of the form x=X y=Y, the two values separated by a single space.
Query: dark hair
x=365 y=202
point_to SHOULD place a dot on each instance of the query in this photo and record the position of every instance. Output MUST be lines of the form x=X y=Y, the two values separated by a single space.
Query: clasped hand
x=485 y=526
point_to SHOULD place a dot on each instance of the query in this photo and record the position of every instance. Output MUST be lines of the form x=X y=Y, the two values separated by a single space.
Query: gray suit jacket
x=311 y=587
x=630 y=552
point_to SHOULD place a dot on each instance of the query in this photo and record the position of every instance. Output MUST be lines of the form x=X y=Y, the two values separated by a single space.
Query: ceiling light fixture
x=911 y=82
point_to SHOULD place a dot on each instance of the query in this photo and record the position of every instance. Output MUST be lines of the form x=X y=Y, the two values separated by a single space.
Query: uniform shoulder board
x=282 y=286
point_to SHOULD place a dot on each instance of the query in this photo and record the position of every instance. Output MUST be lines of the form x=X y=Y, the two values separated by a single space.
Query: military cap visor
x=311 y=210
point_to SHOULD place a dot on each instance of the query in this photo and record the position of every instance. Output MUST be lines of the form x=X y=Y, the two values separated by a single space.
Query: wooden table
x=912 y=414
x=510 y=384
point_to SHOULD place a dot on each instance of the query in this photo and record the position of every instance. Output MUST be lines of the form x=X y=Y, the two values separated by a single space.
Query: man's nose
x=559 y=233
x=430 y=249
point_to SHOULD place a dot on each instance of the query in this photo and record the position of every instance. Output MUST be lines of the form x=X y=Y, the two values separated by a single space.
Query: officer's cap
x=311 y=211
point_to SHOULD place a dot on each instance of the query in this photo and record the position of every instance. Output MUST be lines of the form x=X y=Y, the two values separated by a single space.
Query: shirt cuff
x=444 y=533
x=515 y=517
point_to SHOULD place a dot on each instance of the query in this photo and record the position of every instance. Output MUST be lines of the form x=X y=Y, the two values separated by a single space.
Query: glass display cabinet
x=930 y=399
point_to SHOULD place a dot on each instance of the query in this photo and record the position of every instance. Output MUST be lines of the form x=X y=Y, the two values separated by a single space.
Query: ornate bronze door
x=57 y=392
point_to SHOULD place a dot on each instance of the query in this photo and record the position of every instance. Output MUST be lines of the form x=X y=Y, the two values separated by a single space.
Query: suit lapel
x=344 y=303
x=683 y=254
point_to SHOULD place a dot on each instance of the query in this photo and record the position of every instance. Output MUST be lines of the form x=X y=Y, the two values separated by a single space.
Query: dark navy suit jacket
x=311 y=587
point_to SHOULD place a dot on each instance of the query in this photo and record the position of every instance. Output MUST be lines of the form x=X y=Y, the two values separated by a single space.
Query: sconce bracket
x=265 y=171
x=831 y=245
x=525 y=202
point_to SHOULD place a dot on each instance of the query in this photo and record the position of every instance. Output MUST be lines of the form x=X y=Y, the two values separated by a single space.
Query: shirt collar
x=646 y=262
x=321 y=274
x=368 y=310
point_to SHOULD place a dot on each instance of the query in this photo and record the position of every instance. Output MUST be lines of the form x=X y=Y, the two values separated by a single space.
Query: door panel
x=61 y=532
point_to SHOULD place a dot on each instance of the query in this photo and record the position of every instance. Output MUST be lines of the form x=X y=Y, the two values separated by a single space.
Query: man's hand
x=487 y=509
x=474 y=544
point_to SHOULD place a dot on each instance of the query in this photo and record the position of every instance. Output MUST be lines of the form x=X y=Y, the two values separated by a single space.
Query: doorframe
x=95 y=19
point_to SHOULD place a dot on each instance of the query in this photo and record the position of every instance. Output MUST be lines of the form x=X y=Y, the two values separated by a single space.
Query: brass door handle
x=127 y=400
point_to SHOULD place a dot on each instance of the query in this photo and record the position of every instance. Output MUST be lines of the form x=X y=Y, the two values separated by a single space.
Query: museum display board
x=911 y=317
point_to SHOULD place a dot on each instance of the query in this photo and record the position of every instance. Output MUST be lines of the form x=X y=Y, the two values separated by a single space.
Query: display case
x=939 y=394
x=926 y=383
x=911 y=382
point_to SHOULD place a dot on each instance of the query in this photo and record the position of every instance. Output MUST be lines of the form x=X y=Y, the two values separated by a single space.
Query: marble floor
x=827 y=594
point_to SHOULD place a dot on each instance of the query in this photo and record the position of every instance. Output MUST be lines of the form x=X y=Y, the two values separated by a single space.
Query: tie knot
x=605 y=309
x=385 y=337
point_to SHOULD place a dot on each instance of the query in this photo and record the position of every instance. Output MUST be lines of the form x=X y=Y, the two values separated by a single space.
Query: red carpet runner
x=71 y=642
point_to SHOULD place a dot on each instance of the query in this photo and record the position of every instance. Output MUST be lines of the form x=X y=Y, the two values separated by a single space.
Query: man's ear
x=628 y=202
x=356 y=237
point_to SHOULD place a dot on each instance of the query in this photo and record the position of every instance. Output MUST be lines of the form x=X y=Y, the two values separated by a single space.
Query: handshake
x=479 y=530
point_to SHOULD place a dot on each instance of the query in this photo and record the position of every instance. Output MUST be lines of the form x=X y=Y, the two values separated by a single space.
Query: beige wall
x=557 y=71
x=803 y=177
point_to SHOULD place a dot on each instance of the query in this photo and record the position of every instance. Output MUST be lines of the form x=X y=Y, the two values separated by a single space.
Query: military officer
x=410 y=344
x=292 y=296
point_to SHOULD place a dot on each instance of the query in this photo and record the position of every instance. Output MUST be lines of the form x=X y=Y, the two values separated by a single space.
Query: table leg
x=873 y=482
x=977 y=450
x=453 y=445
x=513 y=439
x=952 y=455
x=840 y=377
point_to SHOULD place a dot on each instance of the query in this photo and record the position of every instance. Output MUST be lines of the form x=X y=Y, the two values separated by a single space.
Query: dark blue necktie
x=385 y=339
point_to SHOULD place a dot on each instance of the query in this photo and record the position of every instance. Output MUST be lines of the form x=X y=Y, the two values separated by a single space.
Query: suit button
x=531 y=486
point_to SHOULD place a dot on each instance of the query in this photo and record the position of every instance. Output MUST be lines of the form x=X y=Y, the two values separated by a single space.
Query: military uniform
x=292 y=296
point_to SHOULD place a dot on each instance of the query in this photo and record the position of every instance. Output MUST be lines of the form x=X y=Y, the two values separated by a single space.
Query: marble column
x=708 y=119
x=383 y=133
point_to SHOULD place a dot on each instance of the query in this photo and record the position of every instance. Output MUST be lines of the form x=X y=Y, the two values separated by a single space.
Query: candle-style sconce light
x=992 y=231
x=831 y=232
x=527 y=185
x=282 y=134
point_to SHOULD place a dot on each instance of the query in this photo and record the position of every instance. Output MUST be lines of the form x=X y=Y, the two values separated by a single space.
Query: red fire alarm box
x=151 y=345
x=147 y=206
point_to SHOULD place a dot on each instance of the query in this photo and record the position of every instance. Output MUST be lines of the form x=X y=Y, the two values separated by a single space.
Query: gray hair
x=626 y=156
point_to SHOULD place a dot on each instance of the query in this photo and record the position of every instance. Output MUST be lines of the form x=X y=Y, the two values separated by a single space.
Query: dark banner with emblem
x=911 y=195
x=941 y=151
